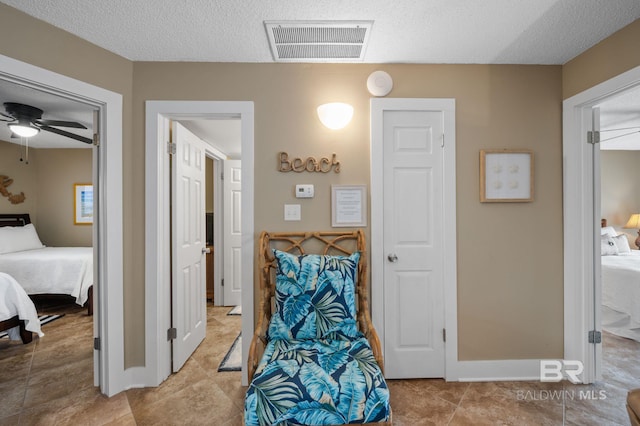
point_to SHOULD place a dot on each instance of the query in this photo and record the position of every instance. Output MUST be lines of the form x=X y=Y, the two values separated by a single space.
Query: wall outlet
x=292 y=212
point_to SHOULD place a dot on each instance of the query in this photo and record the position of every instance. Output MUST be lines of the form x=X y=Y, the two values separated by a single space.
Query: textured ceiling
x=404 y=31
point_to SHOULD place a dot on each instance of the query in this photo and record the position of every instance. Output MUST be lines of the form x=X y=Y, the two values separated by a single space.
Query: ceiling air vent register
x=318 y=41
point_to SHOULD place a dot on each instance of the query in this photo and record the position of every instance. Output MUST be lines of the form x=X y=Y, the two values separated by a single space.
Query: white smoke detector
x=379 y=83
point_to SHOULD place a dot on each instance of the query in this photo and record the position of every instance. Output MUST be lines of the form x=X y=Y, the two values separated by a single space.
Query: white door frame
x=157 y=225
x=109 y=309
x=378 y=106
x=579 y=223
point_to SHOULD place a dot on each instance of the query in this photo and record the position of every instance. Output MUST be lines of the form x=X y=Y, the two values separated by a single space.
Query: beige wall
x=58 y=170
x=619 y=177
x=47 y=181
x=612 y=56
x=509 y=255
x=510 y=293
x=24 y=180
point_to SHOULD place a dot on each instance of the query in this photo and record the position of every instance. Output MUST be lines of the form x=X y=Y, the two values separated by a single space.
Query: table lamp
x=634 y=223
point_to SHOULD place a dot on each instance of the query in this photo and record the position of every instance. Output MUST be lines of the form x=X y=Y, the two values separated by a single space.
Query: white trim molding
x=499 y=371
x=448 y=107
x=157 y=226
x=581 y=221
x=109 y=310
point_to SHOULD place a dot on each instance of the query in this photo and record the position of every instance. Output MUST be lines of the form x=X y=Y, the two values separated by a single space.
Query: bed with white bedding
x=52 y=270
x=44 y=270
x=620 y=288
x=16 y=307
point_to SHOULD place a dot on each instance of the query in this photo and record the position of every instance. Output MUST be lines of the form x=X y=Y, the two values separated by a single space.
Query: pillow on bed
x=622 y=244
x=608 y=230
x=315 y=297
x=19 y=238
x=608 y=246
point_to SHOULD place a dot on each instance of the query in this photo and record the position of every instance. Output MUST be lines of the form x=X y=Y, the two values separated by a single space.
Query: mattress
x=52 y=270
x=15 y=302
x=621 y=284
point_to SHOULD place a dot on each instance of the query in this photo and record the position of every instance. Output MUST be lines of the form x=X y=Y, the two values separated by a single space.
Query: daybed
x=17 y=313
x=44 y=270
x=315 y=357
x=620 y=285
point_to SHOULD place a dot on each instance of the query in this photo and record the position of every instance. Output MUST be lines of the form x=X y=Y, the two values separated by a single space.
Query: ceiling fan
x=26 y=121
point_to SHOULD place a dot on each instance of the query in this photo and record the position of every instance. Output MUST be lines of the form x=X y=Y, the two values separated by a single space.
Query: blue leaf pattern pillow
x=315 y=297
x=322 y=382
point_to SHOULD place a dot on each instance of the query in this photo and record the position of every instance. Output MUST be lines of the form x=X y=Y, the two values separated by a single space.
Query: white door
x=413 y=244
x=188 y=229
x=232 y=251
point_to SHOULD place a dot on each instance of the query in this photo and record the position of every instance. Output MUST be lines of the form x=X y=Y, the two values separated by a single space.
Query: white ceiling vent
x=318 y=41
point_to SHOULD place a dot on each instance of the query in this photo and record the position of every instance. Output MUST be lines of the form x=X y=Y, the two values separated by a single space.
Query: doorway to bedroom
x=590 y=199
x=619 y=155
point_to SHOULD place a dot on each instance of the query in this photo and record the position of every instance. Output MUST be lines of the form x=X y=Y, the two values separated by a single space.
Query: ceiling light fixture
x=335 y=115
x=24 y=129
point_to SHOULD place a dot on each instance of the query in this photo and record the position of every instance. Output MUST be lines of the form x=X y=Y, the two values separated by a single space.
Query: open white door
x=232 y=244
x=188 y=289
x=413 y=244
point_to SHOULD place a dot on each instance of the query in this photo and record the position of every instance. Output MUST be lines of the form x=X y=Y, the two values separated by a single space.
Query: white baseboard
x=499 y=371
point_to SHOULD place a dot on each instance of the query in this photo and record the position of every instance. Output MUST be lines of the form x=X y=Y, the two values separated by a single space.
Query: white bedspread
x=14 y=301
x=621 y=284
x=52 y=270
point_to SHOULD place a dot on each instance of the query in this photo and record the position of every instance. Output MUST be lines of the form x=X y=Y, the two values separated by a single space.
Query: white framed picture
x=348 y=205
x=506 y=175
x=83 y=204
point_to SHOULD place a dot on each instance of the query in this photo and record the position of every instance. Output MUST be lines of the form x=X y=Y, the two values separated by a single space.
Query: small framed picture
x=348 y=205
x=82 y=204
x=506 y=175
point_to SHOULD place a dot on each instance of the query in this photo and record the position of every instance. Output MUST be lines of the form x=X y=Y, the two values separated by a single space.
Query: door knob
x=392 y=258
x=206 y=250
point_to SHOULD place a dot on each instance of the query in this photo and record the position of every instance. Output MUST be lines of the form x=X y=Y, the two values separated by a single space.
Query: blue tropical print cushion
x=317 y=382
x=315 y=297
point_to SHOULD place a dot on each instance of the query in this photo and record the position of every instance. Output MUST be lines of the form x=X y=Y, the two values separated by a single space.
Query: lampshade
x=634 y=221
x=24 y=130
x=335 y=115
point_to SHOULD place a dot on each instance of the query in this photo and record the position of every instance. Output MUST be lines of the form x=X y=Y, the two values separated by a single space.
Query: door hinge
x=96 y=139
x=172 y=334
x=593 y=137
x=171 y=148
x=595 y=336
x=444 y=334
x=221 y=176
x=442 y=145
x=222 y=282
x=96 y=343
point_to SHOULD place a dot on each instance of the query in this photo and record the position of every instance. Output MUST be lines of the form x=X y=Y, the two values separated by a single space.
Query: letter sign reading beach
x=310 y=164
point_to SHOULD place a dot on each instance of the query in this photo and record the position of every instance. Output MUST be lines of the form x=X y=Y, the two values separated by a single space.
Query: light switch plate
x=292 y=212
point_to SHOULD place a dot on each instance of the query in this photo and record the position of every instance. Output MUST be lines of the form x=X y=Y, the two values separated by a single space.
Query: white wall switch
x=304 y=191
x=292 y=212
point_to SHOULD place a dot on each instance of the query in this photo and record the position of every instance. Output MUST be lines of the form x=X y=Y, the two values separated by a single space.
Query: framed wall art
x=82 y=204
x=348 y=205
x=506 y=175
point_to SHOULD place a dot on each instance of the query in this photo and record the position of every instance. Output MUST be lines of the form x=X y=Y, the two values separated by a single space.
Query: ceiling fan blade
x=60 y=123
x=10 y=117
x=67 y=134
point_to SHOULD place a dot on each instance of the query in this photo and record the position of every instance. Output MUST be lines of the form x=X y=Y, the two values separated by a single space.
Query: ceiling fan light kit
x=24 y=130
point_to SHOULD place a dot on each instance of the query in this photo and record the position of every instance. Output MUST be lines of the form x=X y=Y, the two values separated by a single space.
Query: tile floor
x=49 y=382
